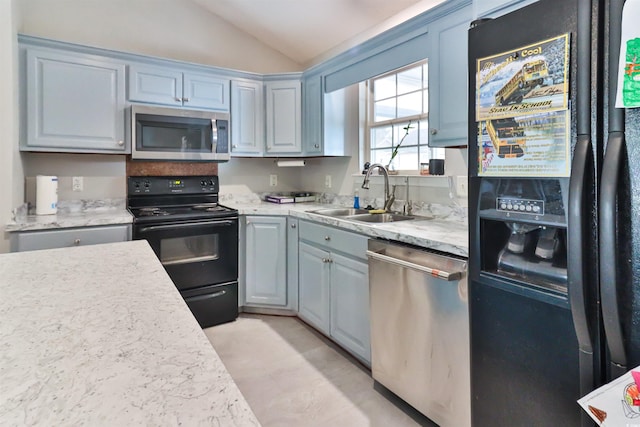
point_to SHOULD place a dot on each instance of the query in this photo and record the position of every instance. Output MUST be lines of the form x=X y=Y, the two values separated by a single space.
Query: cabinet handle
x=316 y=145
x=120 y=143
x=293 y=226
x=327 y=260
x=185 y=99
x=434 y=131
x=178 y=99
x=76 y=242
x=234 y=146
x=327 y=238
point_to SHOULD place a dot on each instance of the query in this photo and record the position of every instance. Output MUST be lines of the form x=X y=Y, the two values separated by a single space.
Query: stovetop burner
x=152 y=211
x=164 y=199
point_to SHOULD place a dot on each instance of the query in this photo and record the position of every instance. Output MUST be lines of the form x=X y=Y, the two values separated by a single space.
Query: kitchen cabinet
x=247 y=118
x=312 y=94
x=334 y=285
x=67 y=237
x=495 y=8
x=170 y=86
x=74 y=102
x=448 y=80
x=283 y=117
x=266 y=261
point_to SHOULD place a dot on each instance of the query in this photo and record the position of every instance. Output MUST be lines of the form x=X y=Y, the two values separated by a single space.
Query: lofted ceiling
x=308 y=31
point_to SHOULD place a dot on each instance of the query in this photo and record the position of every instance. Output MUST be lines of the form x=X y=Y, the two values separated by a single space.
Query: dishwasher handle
x=441 y=274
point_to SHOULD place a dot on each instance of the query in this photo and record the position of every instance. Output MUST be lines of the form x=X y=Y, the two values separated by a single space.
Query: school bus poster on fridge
x=522 y=111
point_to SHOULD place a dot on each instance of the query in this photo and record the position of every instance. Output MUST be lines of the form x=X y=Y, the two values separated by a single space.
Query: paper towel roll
x=46 y=195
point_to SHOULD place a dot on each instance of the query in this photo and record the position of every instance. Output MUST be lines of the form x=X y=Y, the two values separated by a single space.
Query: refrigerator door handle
x=608 y=254
x=577 y=275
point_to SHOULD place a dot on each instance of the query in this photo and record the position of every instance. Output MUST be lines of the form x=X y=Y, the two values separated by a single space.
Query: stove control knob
x=503 y=206
x=210 y=182
x=203 y=183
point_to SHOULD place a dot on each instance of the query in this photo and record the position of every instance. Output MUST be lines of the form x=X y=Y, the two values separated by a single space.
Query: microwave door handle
x=187 y=225
x=214 y=135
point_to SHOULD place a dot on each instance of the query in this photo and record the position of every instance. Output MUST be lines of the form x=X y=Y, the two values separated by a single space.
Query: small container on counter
x=424 y=168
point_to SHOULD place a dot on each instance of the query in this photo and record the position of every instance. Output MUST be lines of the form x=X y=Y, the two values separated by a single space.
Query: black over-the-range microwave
x=160 y=133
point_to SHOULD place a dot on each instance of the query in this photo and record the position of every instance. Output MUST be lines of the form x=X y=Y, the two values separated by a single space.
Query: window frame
x=369 y=125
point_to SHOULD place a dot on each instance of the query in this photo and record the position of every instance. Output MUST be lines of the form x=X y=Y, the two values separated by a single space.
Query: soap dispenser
x=356 y=200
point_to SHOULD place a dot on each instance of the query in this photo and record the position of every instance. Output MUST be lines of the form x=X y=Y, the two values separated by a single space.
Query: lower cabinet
x=67 y=237
x=266 y=261
x=334 y=286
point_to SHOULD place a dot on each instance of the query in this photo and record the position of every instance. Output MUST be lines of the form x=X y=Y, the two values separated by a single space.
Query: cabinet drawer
x=337 y=240
x=62 y=238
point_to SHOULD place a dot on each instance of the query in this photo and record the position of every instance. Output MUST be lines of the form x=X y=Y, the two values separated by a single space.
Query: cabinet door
x=74 y=103
x=202 y=91
x=283 y=112
x=266 y=261
x=292 y=263
x=156 y=85
x=313 y=286
x=350 y=324
x=312 y=108
x=448 y=80
x=247 y=118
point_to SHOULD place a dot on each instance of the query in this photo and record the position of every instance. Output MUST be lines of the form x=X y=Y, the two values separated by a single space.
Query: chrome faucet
x=365 y=184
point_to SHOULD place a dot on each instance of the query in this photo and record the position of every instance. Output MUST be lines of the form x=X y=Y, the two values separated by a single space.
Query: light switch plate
x=273 y=180
x=327 y=181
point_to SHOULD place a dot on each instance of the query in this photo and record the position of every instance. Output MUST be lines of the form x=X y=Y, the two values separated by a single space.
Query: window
x=398 y=114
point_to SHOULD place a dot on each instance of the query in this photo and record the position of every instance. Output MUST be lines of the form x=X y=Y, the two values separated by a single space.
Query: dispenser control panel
x=525 y=206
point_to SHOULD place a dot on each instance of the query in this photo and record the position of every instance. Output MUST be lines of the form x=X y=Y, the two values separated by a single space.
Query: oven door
x=196 y=253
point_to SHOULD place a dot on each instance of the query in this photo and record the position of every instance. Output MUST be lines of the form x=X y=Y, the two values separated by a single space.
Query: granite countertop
x=100 y=335
x=77 y=213
x=439 y=234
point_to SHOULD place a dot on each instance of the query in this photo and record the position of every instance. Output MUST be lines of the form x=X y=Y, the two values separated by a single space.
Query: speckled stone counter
x=77 y=213
x=99 y=335
x=438 y=234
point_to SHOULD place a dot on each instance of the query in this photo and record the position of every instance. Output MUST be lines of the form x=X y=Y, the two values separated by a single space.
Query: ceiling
x=308 y=31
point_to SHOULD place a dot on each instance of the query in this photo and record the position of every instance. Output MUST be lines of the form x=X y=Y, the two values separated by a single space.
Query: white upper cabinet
x=74 y=102
x=247 y=118
x=169 y=86
x=283 y=117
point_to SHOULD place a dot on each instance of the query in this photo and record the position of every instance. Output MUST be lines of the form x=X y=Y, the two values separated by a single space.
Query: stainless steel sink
x=341 y=212
x=377 y=218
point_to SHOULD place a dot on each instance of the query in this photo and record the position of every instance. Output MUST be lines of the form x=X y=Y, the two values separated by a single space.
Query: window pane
x=410 y=105
x=406 y=159
x=425 y=75
x=381 y=137
x=412 y=136
x=425 y=101
x=380 y=156
x=384 y=110
x=410 y=80
x=384 y=87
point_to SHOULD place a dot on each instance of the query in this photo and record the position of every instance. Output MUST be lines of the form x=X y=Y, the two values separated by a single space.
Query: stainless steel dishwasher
x=420 y=329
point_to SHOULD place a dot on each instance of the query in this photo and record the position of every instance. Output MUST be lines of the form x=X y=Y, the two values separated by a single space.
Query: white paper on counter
x=630 y=31
x=612 y=404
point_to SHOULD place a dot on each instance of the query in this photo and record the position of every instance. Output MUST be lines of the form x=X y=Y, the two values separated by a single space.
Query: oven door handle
x=224 y=223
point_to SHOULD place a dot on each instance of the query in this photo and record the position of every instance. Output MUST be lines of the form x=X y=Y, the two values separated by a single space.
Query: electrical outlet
x=273 y=180
x=77 y=183
x=327 y=181
x=461 y=186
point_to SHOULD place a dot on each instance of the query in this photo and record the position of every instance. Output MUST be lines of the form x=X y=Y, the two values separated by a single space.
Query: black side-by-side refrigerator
x=554 y=231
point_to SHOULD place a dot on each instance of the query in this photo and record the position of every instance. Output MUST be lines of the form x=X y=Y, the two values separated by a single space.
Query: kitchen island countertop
x=99 y=335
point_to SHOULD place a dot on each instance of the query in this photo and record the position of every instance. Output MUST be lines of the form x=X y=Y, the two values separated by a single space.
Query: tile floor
x=293 y=376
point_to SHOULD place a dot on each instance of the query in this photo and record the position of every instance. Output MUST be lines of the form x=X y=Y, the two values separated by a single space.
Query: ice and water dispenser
x=523 y=230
